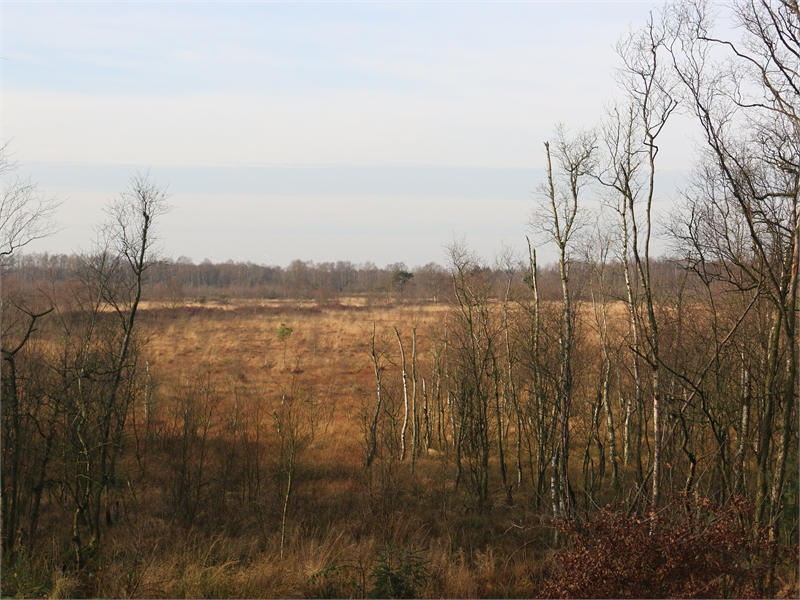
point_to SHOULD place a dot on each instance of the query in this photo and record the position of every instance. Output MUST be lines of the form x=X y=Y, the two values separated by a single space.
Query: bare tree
x=294 y=437
x=558 y=216
x=26 y=214
x=631 y=138
x=17 y=408
x=473 y=351
x=105 y=364
x=745 y=96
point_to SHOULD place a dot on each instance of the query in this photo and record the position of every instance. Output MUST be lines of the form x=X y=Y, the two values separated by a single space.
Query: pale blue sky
x=324 y=131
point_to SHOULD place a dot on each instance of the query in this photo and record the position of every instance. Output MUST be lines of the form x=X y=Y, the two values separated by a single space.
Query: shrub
x=398 y=574
x=284 y=332
x=690 y=549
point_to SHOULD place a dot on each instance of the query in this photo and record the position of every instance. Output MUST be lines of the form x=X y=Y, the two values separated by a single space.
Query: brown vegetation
x=201 y=484
x=180 y=430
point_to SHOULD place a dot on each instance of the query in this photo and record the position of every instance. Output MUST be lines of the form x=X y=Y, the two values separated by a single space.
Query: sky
x=364 y=131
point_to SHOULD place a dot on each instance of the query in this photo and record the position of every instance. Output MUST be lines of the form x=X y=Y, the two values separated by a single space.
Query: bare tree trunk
x=289 y=476
x=405 y=397
x=765 y=432
x=541 y=411
x=556 y=494
x=790 y=386
x=426 y=428
x=373 y=430
x=566 y=374
x=744 y=426
x=634 y=330
x=612 y=440
x=414 y=415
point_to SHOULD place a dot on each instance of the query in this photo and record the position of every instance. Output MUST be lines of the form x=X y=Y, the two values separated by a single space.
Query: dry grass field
x=243 y=467
x=342 y=516
x=327 y=351
x=343 y=520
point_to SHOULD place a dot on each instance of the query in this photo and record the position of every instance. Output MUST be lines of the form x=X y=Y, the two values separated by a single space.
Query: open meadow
x=301 y=448
x=595 y=395
x=199 y=505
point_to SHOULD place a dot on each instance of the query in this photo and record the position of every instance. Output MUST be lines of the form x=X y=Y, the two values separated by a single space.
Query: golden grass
x=341 y=514
x=328 y=348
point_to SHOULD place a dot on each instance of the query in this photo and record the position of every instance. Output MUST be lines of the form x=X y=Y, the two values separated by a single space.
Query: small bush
x=284 y=332
x=690 y=549
x=398 y=574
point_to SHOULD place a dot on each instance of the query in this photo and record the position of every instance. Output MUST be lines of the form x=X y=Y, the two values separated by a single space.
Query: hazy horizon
x=324 y=131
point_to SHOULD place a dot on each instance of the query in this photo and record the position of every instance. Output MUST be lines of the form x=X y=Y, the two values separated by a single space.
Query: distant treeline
x=178 y=280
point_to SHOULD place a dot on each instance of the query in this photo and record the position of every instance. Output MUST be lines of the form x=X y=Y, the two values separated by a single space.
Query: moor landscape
x=613 y=422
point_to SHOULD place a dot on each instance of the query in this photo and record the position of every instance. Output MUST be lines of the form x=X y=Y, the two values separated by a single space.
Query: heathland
x=614 y=424
x=344 y=446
